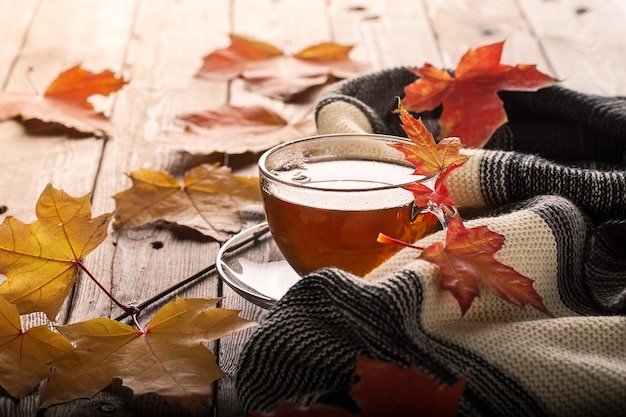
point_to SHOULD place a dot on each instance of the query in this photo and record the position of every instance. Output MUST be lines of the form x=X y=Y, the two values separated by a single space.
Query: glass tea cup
x=327 y=197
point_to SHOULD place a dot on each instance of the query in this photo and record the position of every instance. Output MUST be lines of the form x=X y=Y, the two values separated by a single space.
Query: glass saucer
x=251 y=264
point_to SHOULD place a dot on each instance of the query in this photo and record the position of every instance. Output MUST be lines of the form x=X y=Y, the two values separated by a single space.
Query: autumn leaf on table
x=40 y=260
x=466 y=263
x=209 y=200
x=472 y=109
x=383 y=389
x=235 y=130
x=428 y=156
x=64 y=106
x=25 y=356
x=167 y=358
x=270 y=71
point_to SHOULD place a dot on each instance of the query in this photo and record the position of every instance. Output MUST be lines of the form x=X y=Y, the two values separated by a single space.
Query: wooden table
x=159 y=45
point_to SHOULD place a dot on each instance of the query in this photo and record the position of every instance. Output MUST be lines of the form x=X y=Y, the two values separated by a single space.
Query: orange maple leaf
x=472 y=109
x=25 y=356
x=270 y=71
x=40 y=260
x=167 y=358
x=466 y=262
x=235 y=130
x=209 y=201
x=429 y=157
x=65 y=104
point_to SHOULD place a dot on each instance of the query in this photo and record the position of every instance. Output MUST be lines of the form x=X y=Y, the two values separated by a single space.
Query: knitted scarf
x=552 y=182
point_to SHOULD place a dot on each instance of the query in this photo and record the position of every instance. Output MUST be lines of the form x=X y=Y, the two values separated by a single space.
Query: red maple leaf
x=472 y=109
x=384 y=389
x=466 y=262
x=429 y=157
x=235 y=130
x=438 y=195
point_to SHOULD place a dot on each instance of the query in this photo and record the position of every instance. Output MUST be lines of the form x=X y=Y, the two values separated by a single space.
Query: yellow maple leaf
x=209 y=200
x=167 y=358
x=40 y=260
x=25 y=355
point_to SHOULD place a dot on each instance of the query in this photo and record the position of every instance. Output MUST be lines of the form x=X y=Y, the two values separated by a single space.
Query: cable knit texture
x=553 y=182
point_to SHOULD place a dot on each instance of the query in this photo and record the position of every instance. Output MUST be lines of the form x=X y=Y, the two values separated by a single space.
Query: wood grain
x=584 y=42
x=158 y=46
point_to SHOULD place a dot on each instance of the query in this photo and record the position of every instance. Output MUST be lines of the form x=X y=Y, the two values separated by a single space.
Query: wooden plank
x=385 y=34
x=55 y=40
x=91 y=34
x=159 y=44
x=161 y=60
x=167 y=44
x=585 y=41
x=290 y=25
x=463 y=24
x=69 y=164
x=34 y=161
x=15 y=17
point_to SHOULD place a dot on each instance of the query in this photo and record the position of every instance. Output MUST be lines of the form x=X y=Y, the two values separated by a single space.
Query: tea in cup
x=327 y=197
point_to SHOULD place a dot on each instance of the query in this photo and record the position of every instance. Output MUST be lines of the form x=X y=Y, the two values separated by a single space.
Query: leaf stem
x=383 y=238
x=166 y=291
x=135 y=321
x=30 y=75
x=128 y=309
x=189 y=279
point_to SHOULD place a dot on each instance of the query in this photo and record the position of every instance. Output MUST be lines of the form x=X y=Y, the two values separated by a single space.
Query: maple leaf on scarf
x=466 y=262
x=428 y=156
x=438 y=195
x=472 y=109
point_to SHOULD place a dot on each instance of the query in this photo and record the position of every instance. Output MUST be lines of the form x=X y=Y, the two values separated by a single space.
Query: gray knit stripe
x=555 y=122
x=376 y=123
x=309 y=342
x=570 y=231
x=287 y=358
x=305 y=348
x=605 y=266
x=603 y=115
x=375 y=95
x=507 y=177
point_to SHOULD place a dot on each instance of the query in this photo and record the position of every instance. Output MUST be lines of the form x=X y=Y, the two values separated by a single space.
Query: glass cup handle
x=443 y=212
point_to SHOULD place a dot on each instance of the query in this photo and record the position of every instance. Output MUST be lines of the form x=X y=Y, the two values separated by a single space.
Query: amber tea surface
x=329 y=212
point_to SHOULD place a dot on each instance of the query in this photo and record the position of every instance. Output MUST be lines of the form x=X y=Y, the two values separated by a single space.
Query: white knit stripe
x=529 y=248
x=342 y=117
x=568 y=369
x=568 y=362
x=464 y=183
